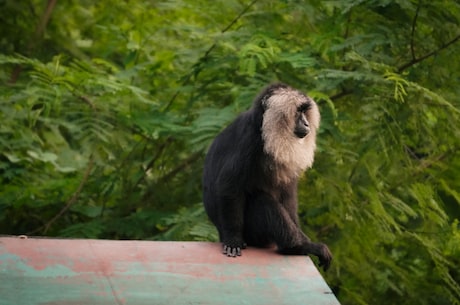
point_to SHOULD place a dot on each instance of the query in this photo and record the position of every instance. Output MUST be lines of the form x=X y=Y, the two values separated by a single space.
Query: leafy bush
x=107 y=109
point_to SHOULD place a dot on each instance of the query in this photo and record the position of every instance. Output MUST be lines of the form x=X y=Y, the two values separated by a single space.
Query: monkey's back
x=230 y=161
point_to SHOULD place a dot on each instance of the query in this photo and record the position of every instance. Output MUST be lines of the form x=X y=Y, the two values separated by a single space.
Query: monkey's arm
x=279 y=220
x=306 y=246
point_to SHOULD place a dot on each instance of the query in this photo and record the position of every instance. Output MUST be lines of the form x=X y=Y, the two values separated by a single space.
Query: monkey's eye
x=304 y=107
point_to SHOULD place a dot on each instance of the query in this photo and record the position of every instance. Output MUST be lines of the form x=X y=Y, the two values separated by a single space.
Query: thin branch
x=346 y=34
x=446 y=231
x=88 y=101
x=230 y=25
x=414 y=22
x=422 y=58
x=44 y=20
x=208 y=51
x=239 y=16
x=71 y=200
x=36 y=37
x=153 y=160
x=427 y=163
x=341 y=94
x=181 y=166
x=347 y=27
x=75 y=195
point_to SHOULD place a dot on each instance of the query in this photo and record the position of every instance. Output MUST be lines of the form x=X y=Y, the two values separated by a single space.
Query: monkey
x=251 y=172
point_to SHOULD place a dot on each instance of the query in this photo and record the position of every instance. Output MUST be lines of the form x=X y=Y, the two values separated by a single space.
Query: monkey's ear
x=264 y=101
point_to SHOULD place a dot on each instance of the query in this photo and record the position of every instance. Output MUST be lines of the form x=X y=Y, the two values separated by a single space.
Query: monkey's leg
x=231 y=225
x=272 y=221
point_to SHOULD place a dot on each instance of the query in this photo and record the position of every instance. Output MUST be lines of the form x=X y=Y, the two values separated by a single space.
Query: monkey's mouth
x=302 y=133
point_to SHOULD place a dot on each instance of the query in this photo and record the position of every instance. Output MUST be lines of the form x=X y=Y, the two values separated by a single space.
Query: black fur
x=242 y=195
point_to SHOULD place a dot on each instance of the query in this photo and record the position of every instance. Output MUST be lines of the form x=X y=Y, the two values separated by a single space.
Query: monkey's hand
x=233 y=248
x=324 y=255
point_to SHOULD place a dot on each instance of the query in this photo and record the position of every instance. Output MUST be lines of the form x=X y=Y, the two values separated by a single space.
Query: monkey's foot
x=317 y=249
x=233 y=249
x=324 y=255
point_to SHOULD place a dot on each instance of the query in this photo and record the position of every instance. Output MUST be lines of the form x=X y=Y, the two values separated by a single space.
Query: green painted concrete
x=55 y=271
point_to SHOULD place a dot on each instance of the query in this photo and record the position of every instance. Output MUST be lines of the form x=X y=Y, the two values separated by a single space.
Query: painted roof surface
x=97 y=272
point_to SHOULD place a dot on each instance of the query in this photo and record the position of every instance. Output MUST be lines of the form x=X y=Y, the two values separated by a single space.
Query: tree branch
x=239 y=16
x=347 y=27
x=71 y=201
x=88 y=101
x=230 y=25
x=44 y=20
x=422 y=58
x=341 y=94
x=208 y=51
x=36 y=37
x=153 y=160
x=414 y=22
x=181 y=166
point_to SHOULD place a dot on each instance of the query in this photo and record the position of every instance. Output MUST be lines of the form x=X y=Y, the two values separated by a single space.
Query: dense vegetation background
x=107 y=108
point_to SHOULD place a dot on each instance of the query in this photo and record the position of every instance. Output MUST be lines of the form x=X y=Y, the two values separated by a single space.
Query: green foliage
x=107 y=109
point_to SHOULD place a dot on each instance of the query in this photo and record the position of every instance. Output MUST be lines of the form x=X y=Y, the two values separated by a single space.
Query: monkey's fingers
x=325 y=260
x=232 y=251
x=324 y=263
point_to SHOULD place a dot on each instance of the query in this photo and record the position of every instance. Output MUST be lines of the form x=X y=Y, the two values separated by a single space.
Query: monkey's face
x=289 y=125
x=302 y=126
x=289 y=113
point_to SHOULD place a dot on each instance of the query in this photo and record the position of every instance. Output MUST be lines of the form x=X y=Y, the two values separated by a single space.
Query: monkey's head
x=289 y=125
